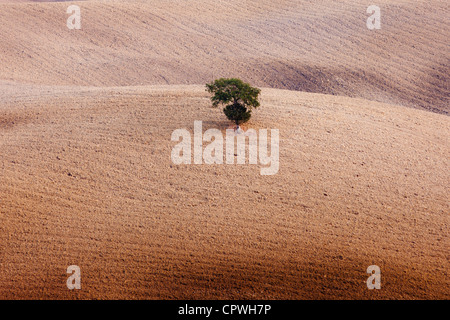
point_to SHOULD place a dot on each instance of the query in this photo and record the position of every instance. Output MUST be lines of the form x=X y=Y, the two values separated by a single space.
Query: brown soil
x=313 y=46
x=86 y=177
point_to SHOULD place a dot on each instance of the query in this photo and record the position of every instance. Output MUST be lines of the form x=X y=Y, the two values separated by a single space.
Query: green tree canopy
x=238 y=96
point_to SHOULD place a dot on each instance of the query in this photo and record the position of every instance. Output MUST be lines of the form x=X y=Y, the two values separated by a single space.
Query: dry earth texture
x=86 y=177
x=314 y=46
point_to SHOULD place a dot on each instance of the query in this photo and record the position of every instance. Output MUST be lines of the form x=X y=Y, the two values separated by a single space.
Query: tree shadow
x=221 y=125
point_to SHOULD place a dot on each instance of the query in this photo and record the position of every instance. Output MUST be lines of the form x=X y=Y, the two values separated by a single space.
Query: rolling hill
x=86 y=178
x=313 y=46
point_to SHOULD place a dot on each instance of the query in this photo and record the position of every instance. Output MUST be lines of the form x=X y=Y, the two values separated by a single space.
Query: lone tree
x=238 y=96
